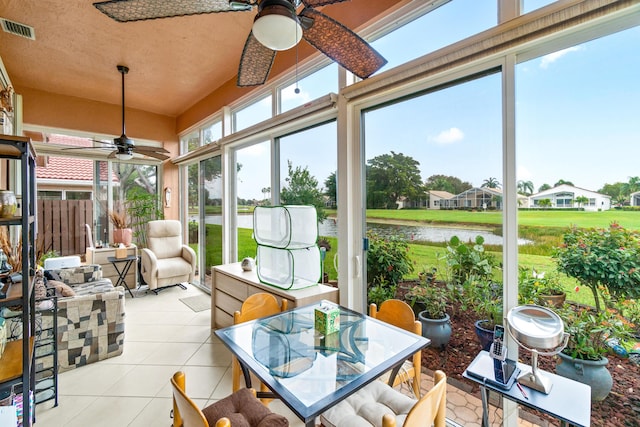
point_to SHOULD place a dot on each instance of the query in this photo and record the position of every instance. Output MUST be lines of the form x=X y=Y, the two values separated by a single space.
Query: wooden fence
x=61 y=226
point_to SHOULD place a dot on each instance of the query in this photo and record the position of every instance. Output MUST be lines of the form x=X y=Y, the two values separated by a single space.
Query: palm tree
x=525 y=187
x=491 y=183
x=632 y=186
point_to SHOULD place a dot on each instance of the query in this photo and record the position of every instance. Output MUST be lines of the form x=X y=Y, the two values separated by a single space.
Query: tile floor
x=163 y=336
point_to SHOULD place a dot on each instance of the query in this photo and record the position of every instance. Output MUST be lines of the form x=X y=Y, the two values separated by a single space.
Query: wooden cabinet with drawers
x=100 y=256
x=232 y=285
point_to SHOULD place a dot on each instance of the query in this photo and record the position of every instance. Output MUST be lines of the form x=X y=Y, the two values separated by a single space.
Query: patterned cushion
x=367 y=406
x=76 y=275
x=90 y=328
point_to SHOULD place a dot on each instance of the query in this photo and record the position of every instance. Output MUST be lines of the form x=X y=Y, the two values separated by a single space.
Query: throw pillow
x=62 y=288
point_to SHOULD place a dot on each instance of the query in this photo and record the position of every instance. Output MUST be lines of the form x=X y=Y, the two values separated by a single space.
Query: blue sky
x=576 y=112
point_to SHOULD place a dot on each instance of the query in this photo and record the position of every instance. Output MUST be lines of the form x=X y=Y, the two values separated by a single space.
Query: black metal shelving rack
x=46 y=352
x=16 y=363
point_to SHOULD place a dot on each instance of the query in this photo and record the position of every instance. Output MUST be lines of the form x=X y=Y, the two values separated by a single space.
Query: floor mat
x=198 y=302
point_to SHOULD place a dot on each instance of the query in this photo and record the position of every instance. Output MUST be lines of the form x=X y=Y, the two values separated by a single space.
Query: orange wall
x=68 y=112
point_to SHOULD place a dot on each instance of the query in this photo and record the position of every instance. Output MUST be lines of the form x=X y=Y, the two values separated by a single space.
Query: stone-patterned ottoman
x=90 y=328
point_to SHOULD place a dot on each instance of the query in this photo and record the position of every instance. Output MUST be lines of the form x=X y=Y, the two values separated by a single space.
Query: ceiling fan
x=277 y=26
x=124 y=147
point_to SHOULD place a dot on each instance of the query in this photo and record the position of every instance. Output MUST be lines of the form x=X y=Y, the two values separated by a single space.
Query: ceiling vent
x=18 y=29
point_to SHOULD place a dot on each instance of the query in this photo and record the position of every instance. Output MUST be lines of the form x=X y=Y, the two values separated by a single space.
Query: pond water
x=426 y=233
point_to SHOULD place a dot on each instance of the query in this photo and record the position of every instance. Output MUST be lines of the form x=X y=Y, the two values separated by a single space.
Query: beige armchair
x=166 y=261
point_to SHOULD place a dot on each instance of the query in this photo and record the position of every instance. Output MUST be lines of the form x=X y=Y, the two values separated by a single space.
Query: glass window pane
x=577 y=144
x=312 y=87
x=212 y=132
x=190 y=142
x=78 y=195
x=530 y=5
x=252 y=114
x=308 y=164
x=447 y=24
x=432 y=159
x=252 y=185
x=211 y=185
x=50 y=195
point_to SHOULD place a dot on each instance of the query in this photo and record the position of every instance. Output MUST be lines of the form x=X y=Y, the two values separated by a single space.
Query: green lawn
x=552 y=218
x=544 y=227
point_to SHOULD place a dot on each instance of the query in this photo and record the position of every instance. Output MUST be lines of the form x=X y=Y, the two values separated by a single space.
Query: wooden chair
x=400 y=314
x=378 y=402
x=242 y=407
x=431 y=409
x=256 y=306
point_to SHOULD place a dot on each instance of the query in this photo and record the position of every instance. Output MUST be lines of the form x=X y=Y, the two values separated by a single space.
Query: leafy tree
x=331 y=187
x=615 y=191
x=608 y=257
x=265 y=191
x=631 y=186
x=562 y=181
x=543 y=187
x=302 y=189
x=451 y=184
x=391 y=176
x=544 y=203
x=388 y=259
x=491 y=183
x=581 y=200
x=525 y=187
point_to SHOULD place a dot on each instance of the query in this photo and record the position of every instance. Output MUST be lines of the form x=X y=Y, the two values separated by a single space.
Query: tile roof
x=69 y=168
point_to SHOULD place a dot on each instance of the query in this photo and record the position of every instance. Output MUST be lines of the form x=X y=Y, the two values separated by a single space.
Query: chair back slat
x=432 y=408
x=185 y=412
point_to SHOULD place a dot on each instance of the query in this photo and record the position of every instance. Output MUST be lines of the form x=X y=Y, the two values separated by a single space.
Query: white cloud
x=524 y=174
x=289 y=94
x=448 y=136
x=255 y=150
x=553 y=57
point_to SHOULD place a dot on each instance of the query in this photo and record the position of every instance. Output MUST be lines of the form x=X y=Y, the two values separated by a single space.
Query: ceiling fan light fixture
x=124 y=155
x=276 y=25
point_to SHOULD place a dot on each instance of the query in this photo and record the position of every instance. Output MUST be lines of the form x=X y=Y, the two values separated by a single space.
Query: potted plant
x=540 y=288
x=550 y=291
x=583 y=359
x=122 y=232
x=484 y=297
x=432 y=300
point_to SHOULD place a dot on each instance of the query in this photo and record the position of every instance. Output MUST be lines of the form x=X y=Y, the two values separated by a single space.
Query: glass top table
x=310 y=371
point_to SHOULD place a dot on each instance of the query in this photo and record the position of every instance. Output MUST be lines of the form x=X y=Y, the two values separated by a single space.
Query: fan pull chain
x=297 y=89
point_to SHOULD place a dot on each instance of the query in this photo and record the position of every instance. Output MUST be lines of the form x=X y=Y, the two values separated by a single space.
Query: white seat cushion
x=367 y=406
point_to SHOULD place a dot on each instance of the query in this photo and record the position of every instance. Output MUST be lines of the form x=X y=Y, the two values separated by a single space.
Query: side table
x=122 y=274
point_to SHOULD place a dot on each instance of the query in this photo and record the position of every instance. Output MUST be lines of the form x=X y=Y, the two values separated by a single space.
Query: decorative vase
x=8 y=204
x=485 y=336
x=556 y=300
x=437 y=330
x=591 y=372
x=123 y=235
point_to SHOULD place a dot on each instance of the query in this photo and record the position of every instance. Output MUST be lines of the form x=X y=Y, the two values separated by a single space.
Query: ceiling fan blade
x=139 y=10
x=340 y=43
x=112 y=155
x=147 y=149
x=255 y=63
x=153 y=154
x=317 y=3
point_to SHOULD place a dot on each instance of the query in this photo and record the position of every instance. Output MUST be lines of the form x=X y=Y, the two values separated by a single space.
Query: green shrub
x=388 y=259
x=602 y=256
x=465 y=260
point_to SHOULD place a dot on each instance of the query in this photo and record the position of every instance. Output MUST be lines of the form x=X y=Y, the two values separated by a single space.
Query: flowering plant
x=547 y=285
x=589 y=330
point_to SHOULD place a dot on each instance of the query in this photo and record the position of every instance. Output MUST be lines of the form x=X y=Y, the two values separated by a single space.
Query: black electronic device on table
x=504 y=371
x=498 y=350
